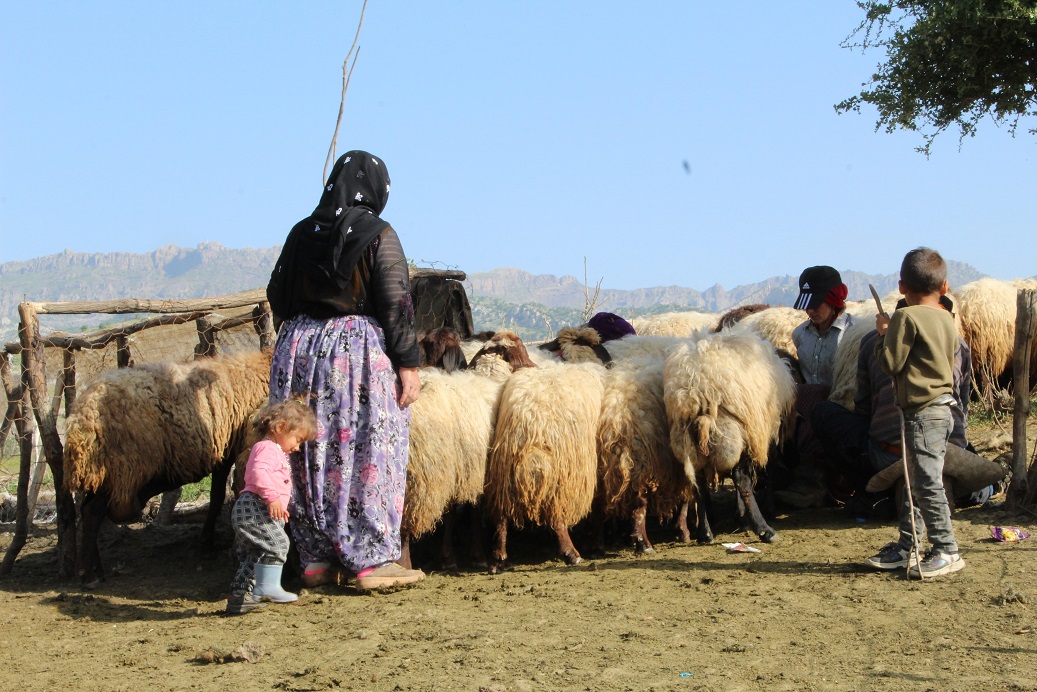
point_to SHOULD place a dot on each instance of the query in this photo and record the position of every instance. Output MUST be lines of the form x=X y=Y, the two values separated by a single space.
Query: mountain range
x=535 y=305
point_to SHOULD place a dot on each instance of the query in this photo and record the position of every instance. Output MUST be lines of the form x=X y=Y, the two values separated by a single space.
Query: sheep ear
x=603 y=355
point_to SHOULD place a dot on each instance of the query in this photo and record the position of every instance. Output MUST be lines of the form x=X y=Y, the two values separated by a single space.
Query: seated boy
x=917 y=349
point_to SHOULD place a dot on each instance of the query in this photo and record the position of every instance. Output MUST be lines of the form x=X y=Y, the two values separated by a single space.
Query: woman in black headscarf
x=342 y=289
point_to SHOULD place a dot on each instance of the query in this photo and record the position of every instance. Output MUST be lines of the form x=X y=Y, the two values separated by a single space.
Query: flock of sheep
x=640 y=425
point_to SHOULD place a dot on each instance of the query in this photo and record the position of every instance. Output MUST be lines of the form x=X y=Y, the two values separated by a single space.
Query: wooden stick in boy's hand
x=878 y=301
x=881 y=319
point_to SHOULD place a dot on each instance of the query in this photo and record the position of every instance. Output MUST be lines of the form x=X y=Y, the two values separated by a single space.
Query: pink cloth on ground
x=268 y=473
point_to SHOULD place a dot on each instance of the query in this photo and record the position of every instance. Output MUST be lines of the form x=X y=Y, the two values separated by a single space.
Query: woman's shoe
x=321 y=576
x=389 y=574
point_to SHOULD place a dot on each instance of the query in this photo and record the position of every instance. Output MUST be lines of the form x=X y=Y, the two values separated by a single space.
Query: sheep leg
x=92 y=513
x=565 y=543
x=743 y=513
x=640 y=536
x=682 y=523
x=447 y=558
x=217 y=494
x=700 y=495
x=499 y=553
x=598 y=527
x=477 y=549
x=744 y=484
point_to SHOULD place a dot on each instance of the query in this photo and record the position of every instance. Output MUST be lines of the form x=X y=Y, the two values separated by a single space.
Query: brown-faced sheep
x=727 y=397
x=502 y=354
x=543 y=461
x=736 y=315
x=673 y=323
x=773 y=324
x=578 y=345
x=637 y=471
x=137 y=432
x=441 y=348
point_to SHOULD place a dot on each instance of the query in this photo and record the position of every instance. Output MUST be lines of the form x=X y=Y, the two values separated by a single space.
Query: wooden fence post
x=264 y=325
x=1025 y=322
x=206 y=338
x=68 y=376
x=123 y=357
x=34 y=381
x=26 y=444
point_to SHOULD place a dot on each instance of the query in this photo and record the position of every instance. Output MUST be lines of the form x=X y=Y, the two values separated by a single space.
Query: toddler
x=261 y=510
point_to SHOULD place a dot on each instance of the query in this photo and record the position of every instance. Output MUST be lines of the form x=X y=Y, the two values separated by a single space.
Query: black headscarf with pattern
x=323 y=249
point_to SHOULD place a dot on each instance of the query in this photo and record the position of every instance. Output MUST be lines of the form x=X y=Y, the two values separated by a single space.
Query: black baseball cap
x=814 y=285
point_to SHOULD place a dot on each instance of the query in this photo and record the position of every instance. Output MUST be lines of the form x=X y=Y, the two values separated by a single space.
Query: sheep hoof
x=770 y=536
x=497 y=568
x=574 y=560
x=643 y=549
x=704 y=540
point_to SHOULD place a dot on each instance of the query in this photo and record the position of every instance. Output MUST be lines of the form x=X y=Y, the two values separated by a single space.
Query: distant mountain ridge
x=534 y=304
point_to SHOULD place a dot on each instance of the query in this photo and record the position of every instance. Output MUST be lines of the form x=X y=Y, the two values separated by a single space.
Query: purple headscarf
x=610 y=326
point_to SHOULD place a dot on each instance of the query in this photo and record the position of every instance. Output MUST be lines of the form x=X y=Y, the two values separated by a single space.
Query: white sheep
x=637 y=469
x=543 y=462
x=137 y=432
x=682 y=324
x=727 y=397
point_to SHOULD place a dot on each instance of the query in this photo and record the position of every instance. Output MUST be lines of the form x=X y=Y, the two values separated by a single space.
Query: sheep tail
x=704 y=426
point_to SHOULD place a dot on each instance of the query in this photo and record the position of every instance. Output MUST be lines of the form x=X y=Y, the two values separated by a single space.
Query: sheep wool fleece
x=347 y=485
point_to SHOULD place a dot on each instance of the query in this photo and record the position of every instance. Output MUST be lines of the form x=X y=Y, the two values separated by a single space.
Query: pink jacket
x=268 y=473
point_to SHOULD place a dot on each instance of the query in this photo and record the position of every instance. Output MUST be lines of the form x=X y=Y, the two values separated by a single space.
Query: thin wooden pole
x=264 y=324
x=33 y=368
x=123 y=357
x=26 y=444
x=206 y=338
x=1025 y=323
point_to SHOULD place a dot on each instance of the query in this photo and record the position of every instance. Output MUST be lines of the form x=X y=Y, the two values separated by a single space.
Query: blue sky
x=525 y=134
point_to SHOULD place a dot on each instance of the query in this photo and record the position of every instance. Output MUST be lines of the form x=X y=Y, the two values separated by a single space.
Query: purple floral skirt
x=348 y=485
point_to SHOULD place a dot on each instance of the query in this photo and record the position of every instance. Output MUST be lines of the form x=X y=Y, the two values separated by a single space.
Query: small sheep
x=726 y=397
x=673 y=323
x=543 y=462
x=137 y=432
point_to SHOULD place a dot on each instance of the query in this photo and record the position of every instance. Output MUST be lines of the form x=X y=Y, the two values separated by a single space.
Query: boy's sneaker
x=937 y=563
x=240 y=604
x=892 y=556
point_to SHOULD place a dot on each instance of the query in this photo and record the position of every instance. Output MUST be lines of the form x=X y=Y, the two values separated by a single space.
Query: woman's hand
x=410 y=386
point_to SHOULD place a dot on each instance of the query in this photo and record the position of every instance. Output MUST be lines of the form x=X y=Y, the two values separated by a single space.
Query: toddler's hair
x=296 y=415
x=923 y=271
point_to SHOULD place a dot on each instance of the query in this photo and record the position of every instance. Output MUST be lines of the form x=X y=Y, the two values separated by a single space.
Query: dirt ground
x=802 y=614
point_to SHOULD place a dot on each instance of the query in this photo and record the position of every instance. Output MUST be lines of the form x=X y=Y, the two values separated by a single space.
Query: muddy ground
x=802 y=614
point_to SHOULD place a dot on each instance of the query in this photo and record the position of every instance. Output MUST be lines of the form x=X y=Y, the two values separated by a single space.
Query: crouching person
x=259 y=515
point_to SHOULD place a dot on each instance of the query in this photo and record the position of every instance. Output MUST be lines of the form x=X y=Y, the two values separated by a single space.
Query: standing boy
x=917 y=349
